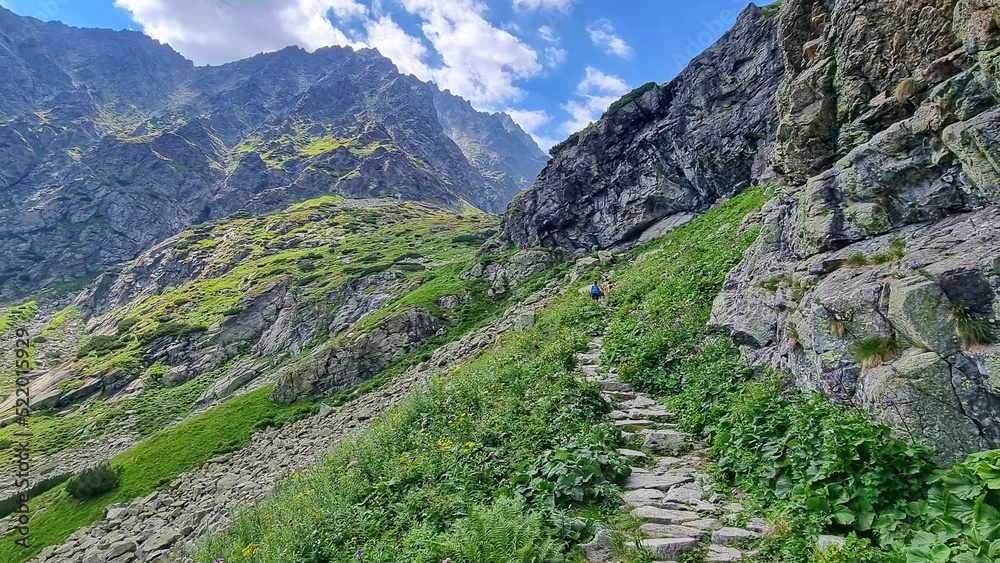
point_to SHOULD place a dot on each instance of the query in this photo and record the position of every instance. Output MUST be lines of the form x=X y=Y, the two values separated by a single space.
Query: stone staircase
x=669 y=487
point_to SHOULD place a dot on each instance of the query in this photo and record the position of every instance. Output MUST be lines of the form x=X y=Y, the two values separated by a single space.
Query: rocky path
x=669 y=487
x=199 y=502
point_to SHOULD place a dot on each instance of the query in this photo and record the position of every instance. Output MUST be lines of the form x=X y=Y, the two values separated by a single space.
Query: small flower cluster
x=890 y=401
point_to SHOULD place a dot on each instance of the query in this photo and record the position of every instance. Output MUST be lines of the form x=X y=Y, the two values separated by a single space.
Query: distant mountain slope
x=111 y=142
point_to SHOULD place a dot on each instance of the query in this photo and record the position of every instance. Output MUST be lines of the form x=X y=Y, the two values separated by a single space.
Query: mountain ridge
x=106 y=160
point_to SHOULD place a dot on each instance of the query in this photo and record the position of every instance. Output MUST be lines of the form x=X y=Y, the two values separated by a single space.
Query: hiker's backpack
x=595 y=290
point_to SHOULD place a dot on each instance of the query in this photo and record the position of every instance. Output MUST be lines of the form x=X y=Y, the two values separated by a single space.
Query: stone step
x=655 y=411
x=616 y=386
x=632 y=454
x=671 y=531
x=653 y=481
x=630 y=422
x=669 y=549
x=619 y=395
x=722 y=553
x=663 y=440
x=665 y=516
x=729 y=536
x=642 y=497
x=639 y=401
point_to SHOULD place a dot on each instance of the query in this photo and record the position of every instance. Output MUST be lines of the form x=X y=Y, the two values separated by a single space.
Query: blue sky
x=552 y=64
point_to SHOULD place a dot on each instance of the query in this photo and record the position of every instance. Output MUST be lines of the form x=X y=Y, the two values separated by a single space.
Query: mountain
x=662 y=150
x=874 y=280
x=113 y=142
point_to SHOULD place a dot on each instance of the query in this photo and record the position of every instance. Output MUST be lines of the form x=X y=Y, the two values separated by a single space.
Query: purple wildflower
x=890 y=401
x=446 y=560
x=914 y=265
x=359 y=554
x=352 y=463
x=423 y=424
x=490 y=456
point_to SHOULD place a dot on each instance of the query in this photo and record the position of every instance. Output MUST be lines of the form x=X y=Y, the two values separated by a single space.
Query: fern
x=506 y=532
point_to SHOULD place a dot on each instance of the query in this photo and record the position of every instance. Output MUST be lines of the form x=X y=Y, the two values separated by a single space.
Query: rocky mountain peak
x=672 y=149
x=115 y=142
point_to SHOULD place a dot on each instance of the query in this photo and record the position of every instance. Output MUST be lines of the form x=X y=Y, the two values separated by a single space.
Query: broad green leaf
x=938 y=553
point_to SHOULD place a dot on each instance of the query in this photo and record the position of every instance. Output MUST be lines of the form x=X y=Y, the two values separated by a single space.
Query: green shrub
x=584 y=469
x=877 y=350
x=174 y=329
x=570 y=141
x=629 y=97
x=100 y=345
x=772 y=9
x=94 y=482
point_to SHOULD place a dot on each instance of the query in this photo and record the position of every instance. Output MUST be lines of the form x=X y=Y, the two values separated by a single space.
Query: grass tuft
x=973 y=330
x=877 y=350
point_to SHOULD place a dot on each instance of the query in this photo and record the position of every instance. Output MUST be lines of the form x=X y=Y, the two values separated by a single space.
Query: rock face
x=506 y=156
x=887 y=230
x=678 y=148
x=337 y=365
x=114 y=142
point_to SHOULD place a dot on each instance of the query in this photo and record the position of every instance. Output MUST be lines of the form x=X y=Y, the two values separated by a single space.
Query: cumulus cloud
x=561 y=5
x=479 y=61
x=471 y=57
x=532 y=121
x=603 y=34
x=219 y=31
x=595 y=93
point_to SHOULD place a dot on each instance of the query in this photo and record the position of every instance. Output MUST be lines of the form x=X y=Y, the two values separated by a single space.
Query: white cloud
x=220 y=31
x=554 y=56
x=596 y=92
x=595 y=80
x=602 y=33
x=406 y=51
x=561 y=5
x=473 y=58
x=548 y=34
x=479 y=61
x=531 y=121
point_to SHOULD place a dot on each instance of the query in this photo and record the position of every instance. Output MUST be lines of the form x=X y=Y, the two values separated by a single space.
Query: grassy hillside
x=316 y=247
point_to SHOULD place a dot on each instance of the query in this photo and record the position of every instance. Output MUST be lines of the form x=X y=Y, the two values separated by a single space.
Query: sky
x=553 y=65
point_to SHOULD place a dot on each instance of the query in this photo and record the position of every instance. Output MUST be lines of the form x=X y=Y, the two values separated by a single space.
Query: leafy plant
x=972 y=329
x=961 y=515
x=94 y=482
x=506 y=532
x=877 y=350
x=582 y=470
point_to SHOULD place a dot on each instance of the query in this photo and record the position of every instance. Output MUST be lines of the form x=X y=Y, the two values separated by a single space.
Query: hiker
x=595 y=291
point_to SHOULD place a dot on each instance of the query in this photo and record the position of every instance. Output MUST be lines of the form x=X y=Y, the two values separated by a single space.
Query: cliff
x=676 y=149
